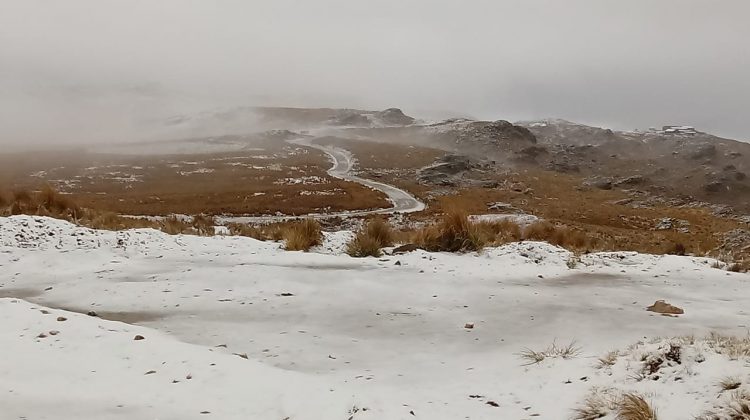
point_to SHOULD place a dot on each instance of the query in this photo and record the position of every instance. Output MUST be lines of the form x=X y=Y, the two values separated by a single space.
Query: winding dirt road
x=343 y=165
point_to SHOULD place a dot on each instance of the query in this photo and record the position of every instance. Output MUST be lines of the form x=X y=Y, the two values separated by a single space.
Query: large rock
x=394 y=116
x=664 y=308
x=443 y=171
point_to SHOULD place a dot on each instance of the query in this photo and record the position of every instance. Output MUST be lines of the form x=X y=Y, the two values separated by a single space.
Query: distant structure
x=678 y=130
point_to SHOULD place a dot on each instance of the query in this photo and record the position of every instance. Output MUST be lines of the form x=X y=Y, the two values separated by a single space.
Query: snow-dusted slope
x=328 y=336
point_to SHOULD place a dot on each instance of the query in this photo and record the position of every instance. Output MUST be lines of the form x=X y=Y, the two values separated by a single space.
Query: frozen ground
x=238 y=329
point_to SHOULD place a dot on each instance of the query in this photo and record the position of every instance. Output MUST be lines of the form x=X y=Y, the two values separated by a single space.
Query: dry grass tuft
x=729 y=383
x=363 y=245
x=739 y=406
x=242 y=229
x=380 y=231
x=204 y=225
x=739 y=267
x=562 y=236
x=553 y=351
x=455 y=232
x=634 y=407
x=736 y=407
x=734 y=347
x=608 y=359
x=376 y=235
x=53 y=202
x=173 y=225
x=595 y=406
x=303 y=235
x=270 y=232
x=677 y=249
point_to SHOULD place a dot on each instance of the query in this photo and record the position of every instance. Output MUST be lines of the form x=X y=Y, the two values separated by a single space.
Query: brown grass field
x=293 y=180
x=288 y=180
x=582 y=218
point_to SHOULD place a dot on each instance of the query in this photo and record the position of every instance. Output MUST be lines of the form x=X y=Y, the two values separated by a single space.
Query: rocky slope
x=697 y=167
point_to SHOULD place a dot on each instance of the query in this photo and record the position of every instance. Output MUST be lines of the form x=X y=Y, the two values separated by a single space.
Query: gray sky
x=98 y=70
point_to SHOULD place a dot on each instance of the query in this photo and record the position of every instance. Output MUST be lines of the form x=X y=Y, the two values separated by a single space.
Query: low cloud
x=85 y=71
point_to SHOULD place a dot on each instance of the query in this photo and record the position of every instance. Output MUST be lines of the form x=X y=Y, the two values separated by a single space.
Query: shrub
x=303 y=235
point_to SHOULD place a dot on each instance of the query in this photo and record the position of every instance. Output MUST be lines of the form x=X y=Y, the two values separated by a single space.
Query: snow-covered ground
x=235 y=328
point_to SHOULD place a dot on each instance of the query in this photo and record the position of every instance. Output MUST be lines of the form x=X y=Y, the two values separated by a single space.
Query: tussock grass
x=50 y=203
x=634 y=407
x=453 y=233
x=269 y=232
x=302 y=235
x=368 y=242
x=735 y=407
x=731 y=346
x=501 y=231
x=363 y=245
x=456 y=233
x=608 y=359
x=173 y=225
x=729 y=383
x=242 y=229
x=380 y=231
x=204 y=225
x=597 y=405
x=554 y=351
x=562 y=236
x=53 y=202
x=603 y=402
x=739 y=405
x=742 y=267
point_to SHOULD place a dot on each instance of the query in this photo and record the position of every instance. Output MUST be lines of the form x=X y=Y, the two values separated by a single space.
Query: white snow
x=328 y=336
x=520 y=219
x=197 y=171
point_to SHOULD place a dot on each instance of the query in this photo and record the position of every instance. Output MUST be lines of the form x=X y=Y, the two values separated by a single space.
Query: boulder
x=664 y=308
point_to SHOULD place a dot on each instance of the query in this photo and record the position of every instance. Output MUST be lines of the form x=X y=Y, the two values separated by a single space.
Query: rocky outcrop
x=445 y=170
x=394 y=116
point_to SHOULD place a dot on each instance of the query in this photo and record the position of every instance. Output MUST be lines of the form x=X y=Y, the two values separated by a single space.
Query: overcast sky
x=95 y=70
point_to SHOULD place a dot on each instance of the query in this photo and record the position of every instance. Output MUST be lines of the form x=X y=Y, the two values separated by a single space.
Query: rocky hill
x=700 y=167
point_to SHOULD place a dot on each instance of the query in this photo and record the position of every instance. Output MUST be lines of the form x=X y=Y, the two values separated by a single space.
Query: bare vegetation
x=302 y=235
x=368 y=242
x=271 y=232
x=48 y=202
x=602 y=402
x=562 y=236
x=609 y=359
x=735 y=407
x=635 y=407
x=730 y=383
x=456 y=233
x=280 y=178
x=731 y=346
x=569 y=351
